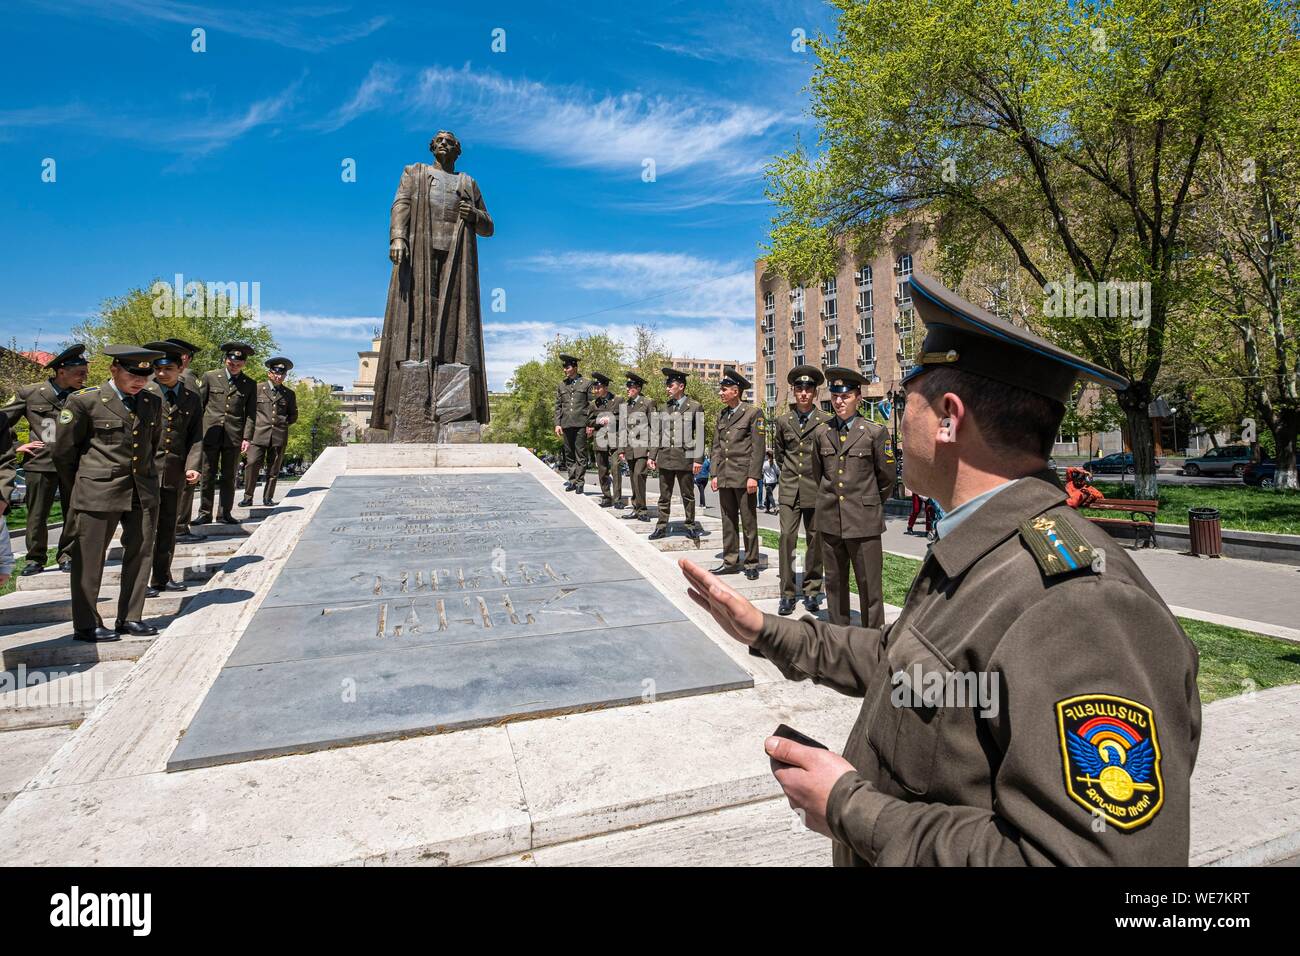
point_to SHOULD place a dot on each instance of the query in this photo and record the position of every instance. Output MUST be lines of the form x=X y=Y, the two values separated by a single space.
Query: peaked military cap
x=673 y=373
x=278 y=364
x=634 y=379
x=805 y=375
x=840 y=379
x=239 y=350
x=133 y=358
x=185 y=346
x=731 y=377
x=171 y=352
x=73 y=355
x=600 y=377
x=568 y=359
x=963 y=336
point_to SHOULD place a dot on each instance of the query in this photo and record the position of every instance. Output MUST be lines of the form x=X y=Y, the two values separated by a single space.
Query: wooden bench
x=1141 y=518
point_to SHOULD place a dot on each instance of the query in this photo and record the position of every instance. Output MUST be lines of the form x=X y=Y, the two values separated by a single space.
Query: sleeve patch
x=1111 y=758
x=65 y=416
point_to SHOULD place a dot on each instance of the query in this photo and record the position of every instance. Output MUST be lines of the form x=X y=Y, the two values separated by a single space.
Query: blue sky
x=226 y=164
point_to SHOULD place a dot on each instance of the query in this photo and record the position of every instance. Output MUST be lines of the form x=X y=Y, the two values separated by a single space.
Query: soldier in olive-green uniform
x=108 y=437
x=229 y=413
x=635 y=415
x=794 y=440
x=185 y=504
x=277 y=409
x=853 y=467
x=603 y=429
x=1035 y=703
x=178 y=457
x=739 y=446
x=572 y=398
x=41 y=403
x=678 y=453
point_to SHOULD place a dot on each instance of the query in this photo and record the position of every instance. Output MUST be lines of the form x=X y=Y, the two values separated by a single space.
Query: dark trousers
x=185 y=509
x=575 y=451
x=609 y=474
x=637 y=470
x=700 y=486
x=42 y=487
x=866 y=556
x=738 y=505
x=272 y=456
x=95 y=530
x=226 y=460
x=791 y=518
x=164 y=546
x=682 y=479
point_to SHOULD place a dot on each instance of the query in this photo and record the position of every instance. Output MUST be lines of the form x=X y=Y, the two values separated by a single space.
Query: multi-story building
x=861 y=318
x=359 y=401
x=710 y=370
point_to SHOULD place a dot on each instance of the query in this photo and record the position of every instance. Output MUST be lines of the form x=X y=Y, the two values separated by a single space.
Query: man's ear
x=951 y=414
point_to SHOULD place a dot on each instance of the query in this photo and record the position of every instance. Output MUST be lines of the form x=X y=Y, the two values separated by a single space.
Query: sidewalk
x=1253 y=595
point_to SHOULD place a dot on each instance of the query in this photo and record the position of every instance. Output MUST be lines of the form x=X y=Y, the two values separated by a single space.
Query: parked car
x=1228 y=460
x=1261 y=474
x=1119 y=463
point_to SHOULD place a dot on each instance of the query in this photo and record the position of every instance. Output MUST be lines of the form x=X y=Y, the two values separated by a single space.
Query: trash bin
x=1207 y=534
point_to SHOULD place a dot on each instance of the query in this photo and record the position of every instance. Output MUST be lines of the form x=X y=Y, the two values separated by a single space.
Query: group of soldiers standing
x=837 y=470
x=131 y=453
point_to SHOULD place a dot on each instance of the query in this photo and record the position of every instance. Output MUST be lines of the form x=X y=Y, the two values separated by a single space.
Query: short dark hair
x=1011 y=418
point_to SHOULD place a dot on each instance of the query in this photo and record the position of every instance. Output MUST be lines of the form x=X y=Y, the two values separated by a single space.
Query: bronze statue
x=432 y=313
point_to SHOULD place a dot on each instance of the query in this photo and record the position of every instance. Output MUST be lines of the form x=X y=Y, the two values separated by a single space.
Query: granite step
x=767 y=585
x=50 y=645
x=50 y=696
x=55 y=580
x=213 y=549
x=25 y=753
x=49 y=607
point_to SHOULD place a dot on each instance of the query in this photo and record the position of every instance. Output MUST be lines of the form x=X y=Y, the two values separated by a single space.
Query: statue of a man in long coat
x=433 y=303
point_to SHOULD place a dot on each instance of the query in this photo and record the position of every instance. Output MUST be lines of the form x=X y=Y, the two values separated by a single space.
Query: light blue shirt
x=949 y=522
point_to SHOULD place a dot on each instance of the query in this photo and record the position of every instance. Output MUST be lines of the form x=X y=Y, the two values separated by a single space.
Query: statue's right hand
x=397 y=251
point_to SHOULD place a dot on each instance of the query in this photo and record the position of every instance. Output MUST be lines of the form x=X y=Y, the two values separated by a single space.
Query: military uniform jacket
x=603 y=413
x=572 y=396
x=229 y=407
x=795 y=447
x=854 y=471
x=181 y=447
x=41 y=404
x=1086 y=752
x=277 y=409
x=739 y=446
x=671 y=455
x=190 y=380
x=111 y=449
x=635 y=414
x=8 y=460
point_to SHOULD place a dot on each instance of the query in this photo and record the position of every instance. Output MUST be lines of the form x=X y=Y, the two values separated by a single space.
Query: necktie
x=171 y=396
x=129 y=402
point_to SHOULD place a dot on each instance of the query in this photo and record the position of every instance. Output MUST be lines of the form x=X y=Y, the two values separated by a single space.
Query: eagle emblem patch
x=1111 y=757
x=65 y=416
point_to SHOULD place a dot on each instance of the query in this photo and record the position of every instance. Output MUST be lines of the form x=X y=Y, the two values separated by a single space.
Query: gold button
x=841 y=497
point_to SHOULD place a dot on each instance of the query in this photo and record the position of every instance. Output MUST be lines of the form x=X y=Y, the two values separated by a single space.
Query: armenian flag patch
x=1111 y=757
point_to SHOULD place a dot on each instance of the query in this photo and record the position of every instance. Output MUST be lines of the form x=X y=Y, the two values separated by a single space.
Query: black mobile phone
x=789 y=733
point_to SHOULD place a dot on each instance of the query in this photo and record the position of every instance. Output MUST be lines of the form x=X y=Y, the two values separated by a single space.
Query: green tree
x=320 y=410
x=1067 y=131
x=141 y=316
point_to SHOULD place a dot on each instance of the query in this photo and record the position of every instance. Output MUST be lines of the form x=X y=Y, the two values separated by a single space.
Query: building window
x=867 y=352
x=863 y=277
x=904 y=267
x=769 y=302
x=798 y=342
x=771 y=367
x=832 y=355
x=904 y=294
x=866 y=300
x=771 y=393
x=867 y=324
x=830 y=311
x=828 y=289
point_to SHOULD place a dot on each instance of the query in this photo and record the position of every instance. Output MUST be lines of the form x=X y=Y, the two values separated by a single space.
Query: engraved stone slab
x=329 y=550
x=451 y=394
x=349 y=530
x=412 y=419
x=395 y=577
x=300 y=706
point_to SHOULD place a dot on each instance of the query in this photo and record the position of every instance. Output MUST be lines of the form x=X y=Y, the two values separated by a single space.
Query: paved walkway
x=1254 y=595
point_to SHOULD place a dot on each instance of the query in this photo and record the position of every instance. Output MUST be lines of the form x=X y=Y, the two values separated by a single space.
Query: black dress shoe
x=620 y=502
x=246 y=503
x=692 y=532
x=751 y=573
x=33 y=568
x=785 y=607
x=169 y=585
x=269 y=504
x=65 y=567
x=643 y=517
x=228 y=519
x=568 y=486
x=629 y=516
x=658 y=533
x=201 y=518
x=94 y=635
x=577 y=489
x=189 y=537
x=812 y=602
x=725 y=569
x=606 y=503
x=138 y=628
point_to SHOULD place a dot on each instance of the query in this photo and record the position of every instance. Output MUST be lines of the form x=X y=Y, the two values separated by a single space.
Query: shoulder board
x=1056 y=546
x=88 y=388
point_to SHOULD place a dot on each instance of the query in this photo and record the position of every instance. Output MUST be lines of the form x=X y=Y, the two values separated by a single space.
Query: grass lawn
x=16 y=518
x=1232 y=661
x=1240 y=506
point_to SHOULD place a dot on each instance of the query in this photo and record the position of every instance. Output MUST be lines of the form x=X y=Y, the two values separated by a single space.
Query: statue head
x=445 y=144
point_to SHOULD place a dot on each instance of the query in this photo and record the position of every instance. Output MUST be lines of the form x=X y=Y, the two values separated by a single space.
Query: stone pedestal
x=433 y=405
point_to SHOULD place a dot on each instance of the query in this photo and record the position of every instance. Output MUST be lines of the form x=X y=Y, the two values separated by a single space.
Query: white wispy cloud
x=298 y=325
x=380 y=82
x=309 y=28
